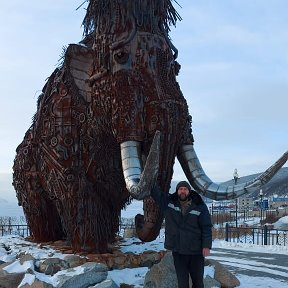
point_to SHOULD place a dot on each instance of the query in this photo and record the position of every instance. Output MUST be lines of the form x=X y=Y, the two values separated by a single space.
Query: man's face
x=183 y=193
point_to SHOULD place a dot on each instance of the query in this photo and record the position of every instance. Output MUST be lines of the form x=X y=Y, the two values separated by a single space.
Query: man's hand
x=205 y=252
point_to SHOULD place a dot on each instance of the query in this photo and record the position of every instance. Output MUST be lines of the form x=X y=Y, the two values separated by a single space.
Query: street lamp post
x=261 y=205
x=236 y=212
x=235 y=176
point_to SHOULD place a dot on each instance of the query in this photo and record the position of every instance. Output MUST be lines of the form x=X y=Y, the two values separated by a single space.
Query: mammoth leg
x=201 y=182
x=40 y=211
x=42 y=216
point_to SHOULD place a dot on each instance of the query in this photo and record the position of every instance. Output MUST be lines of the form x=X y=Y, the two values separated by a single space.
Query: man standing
x=188 y=232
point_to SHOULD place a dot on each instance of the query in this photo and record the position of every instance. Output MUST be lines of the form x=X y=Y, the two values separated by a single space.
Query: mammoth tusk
x=201 y=182
x=139 y=183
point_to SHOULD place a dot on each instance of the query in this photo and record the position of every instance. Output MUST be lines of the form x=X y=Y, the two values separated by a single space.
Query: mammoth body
x=68 y=171
x=108 y=126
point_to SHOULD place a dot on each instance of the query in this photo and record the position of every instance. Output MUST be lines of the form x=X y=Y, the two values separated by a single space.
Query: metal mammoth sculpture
x=109 y=124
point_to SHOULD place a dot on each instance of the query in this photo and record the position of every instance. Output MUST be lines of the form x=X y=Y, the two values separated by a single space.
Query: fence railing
x=241 y=215
x=263 y=235
x=256 y=235
x=10 y=229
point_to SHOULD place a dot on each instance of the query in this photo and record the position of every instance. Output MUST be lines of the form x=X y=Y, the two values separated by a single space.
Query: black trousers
x=189 y=264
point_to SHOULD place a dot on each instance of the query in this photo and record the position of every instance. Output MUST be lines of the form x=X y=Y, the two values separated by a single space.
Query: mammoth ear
x=139 y=181
x=79 y=60
x=201 y=182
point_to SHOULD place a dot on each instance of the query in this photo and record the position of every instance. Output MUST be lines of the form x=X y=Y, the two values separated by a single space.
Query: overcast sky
x=234 y=75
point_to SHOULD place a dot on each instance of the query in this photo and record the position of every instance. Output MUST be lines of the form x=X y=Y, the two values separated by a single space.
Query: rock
x=9 y=280
x=52 y=269
x=210 y=282
x=119 y=261
x=133 y=260
x=108 y=283
x=51 y=266
x=148 y=258
x=223 y=276
x=37 y=284
x=74 y=260
x=25 y=257
x=93 y=273
x=162 y=275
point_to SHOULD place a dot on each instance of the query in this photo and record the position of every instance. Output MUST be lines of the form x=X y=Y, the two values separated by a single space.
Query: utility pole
x=261 y=205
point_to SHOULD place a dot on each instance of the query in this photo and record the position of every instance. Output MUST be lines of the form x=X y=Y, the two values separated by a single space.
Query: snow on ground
x=282 y=223
x=263 y=282
x=275 y=249
x=136 y=276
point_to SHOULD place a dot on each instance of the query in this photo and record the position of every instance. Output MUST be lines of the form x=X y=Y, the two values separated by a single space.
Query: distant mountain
x=277 y=185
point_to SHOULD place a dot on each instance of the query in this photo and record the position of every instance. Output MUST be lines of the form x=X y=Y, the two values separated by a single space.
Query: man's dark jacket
x=189 y=233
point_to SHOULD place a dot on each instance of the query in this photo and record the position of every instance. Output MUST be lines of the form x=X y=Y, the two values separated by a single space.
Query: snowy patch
x=11 y=246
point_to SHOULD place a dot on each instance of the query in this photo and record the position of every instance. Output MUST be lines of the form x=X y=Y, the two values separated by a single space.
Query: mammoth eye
x=121 y=57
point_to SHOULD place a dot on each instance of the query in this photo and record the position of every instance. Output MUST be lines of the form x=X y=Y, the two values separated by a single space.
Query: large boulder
x=211 y=282
x=8 y=280
x=74 y=260
x=163 y=275
x=51 y=266
x=223 y=276
x=91 y=274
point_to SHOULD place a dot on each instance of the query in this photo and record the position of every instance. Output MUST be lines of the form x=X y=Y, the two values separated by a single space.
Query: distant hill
x=277 y=185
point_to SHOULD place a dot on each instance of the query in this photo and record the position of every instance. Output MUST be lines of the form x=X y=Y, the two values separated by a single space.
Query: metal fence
x=256 y=235
x=10 y=229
